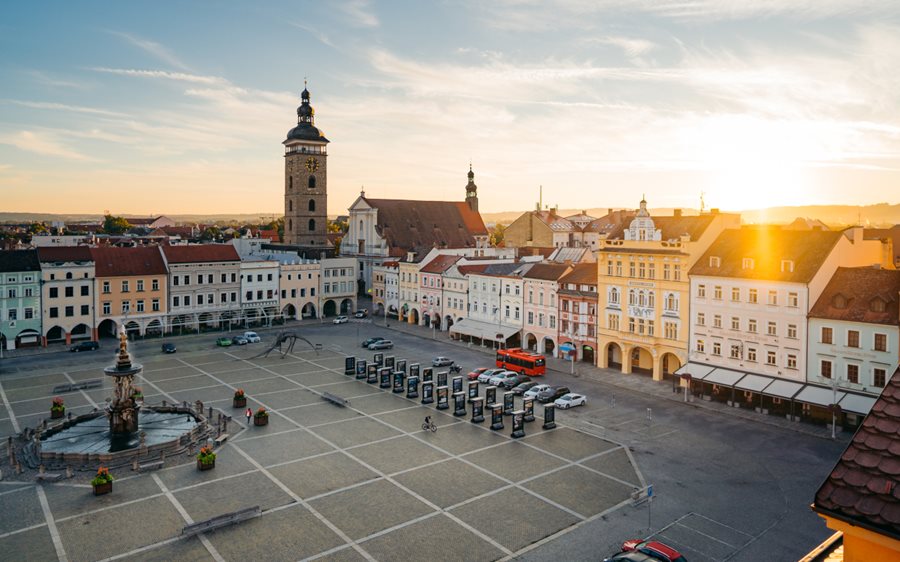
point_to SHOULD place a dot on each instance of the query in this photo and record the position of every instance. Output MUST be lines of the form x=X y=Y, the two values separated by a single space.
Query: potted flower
x=240 y=399
x=137 y=394
x=57 y=408
x=102 y=483
x=206 y=459
x=261 y=417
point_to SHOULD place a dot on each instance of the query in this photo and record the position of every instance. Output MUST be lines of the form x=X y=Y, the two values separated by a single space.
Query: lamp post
x=833 y=406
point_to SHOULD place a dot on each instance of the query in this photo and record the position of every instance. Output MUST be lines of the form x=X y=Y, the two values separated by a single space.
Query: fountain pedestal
x=122 y=410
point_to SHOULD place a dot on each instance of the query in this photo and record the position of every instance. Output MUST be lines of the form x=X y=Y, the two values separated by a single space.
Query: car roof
x=663 y=549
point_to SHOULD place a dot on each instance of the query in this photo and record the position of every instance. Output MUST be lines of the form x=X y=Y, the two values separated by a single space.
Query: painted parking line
x=701 y=538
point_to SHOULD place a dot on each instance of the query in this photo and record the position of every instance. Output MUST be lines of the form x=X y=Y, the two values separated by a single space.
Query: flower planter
x=56 y=414
x=100 y=489
x=239 y=402
x=261 y=420
x=205 y=466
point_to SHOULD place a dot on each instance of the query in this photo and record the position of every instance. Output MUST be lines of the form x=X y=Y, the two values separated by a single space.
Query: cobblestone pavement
x=359 y=482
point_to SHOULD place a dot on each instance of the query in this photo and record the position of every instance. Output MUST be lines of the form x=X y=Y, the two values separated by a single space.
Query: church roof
x=421 y=225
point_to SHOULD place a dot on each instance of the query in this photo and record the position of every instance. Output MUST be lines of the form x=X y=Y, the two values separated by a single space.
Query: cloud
x=152 y=48
x=166 y=75
x=359 y=13
x=64 y=107
x=314 y=32
x=34 y=142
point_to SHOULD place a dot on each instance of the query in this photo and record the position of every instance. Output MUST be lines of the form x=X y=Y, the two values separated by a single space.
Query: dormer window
x=715 y=261
x=839 y=301
x=747 y=263
x=877 y=305
x=787 y=266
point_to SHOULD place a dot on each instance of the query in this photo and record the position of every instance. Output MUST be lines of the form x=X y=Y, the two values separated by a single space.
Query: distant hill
x=246 y=218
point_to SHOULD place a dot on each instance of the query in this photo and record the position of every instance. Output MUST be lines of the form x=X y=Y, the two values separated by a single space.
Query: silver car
x=486 y=376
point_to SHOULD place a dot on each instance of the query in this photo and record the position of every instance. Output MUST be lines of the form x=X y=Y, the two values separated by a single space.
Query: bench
x=155 y=465
x=221 y=521
x=61 y=388
x=221 y=439
x=336 y=400
x=49 y=477
x=87 y=385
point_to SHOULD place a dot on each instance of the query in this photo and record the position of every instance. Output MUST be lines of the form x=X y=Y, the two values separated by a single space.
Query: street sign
x=641 y=495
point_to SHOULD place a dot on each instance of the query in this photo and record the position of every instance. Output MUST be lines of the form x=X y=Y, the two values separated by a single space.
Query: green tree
x=278 y=225
x=115 y=225
x=211 y=233
x=338 y=227
x=38 y=228
x=497 y=234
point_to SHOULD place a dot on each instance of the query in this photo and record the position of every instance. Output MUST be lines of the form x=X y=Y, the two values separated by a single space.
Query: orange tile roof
x=859 y=287
x=113 y=261
x=201 y=253
x=581 y=274
x=440 y=263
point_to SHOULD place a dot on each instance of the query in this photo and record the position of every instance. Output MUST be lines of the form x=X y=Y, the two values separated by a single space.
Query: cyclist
x=427 y=421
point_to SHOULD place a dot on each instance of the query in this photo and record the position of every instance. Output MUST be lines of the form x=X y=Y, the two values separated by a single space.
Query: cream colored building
x=644 y=291
x=67 y=294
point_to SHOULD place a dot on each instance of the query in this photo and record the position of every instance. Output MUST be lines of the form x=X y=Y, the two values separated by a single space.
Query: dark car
x=382 y=344
x=85 y=346
x=638 y=550
x=168 y=348
x=520 y=389
x=370 y=341
x=239 y=340
x=361 y=313
x=552 y=393
x=511 y=382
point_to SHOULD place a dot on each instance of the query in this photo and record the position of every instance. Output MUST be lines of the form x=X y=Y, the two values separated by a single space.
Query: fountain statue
x=122 y=411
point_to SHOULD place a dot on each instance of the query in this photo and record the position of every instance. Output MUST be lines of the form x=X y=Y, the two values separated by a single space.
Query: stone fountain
x=122 y=410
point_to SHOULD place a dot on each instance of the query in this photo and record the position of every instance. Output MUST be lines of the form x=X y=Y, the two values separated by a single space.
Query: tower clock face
x=312 y=164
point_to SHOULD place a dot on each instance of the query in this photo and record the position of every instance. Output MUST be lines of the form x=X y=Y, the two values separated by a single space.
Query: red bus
x=521 y=361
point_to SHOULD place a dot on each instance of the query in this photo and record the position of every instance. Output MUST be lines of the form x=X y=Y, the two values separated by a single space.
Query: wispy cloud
x=64 y=107
x=164 y=74
x=39 y=144
x=152 y=48
x=360 y=13
x=314 y=32
x=55 y=82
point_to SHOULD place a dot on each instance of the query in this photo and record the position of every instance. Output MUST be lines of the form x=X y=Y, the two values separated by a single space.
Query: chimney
x=677 y=212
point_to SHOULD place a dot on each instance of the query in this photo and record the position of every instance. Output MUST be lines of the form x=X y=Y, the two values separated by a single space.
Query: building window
x=770 y=358
x=827 y=335
x=85 y=309
x=701 y=319
x=677 y=273
x=853 y=373
x=879 y=377
x=852 y=338
x=311 y=182
x=70 y=292
x=531 y=318
x=176 y=280
x=29 y=313
x=701 y=347
x=752 y=296
x=312 y=205
x=312 y=224
x=791 y=361
x=666 y=273
x=751 y=354
x=553 y=322
x=612 y=321
x=54 y=313
x=772 y=329
x=717 y=321
x=85 y=290
x=642 y=270
x=825 y=369
x=154 y=284
x=106 y=287
x=140 y=285
x=126 y=307
x=631 y=269
x=773 y=298
x=631 y=325
x=671 y=331
x=735 y=323
x=735 y=294
x=735 y=351
x=199 y=278
x=717 y=348
x=125 y=286
x=140 y=306
x=717 y=293
x=54 y=292
x=793 y=300
x=176 y=301
x=70 y=311
x=792 y=331
x=751 y=325
x=880 y=342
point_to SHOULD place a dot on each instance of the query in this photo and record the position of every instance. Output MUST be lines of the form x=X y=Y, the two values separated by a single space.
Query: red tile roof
x=113 y=261
x=768 y=246
x=440 y=263
x=581 y=274
x=421 y=225
x=201 y=253
x=864 y=486
x=853 y=292
x=549 y=271
x=467 y=269
x=65 y=253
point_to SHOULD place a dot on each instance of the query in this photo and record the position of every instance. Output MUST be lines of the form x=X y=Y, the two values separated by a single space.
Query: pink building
x=431 y=288
x=540 y=329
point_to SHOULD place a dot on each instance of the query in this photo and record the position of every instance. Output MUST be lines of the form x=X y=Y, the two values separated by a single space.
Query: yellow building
x=861 y=497
x=644 y=292
x=130 y=290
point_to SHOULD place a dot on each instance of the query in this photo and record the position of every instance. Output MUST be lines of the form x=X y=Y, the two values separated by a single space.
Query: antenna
x=702 y=204
x=540 y=197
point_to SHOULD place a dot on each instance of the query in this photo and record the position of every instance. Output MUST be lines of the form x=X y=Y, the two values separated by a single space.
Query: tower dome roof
x=306 y=129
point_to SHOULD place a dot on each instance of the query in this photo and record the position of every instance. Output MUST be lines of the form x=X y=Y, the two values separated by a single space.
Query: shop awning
x=819 y=396
x=483 y=330
x=724 y=377
x=857 y=403
x=783 y=389
x=696 y=370
x=753 y=383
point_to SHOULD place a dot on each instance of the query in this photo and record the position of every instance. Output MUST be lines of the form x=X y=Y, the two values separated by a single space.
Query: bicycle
x=429 y=425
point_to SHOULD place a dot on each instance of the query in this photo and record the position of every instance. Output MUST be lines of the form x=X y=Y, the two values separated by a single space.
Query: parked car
x=223 y=342
x=382 y=344
x=251 y=337
x=534 y=390
x=473 y=375
x=486 y=375
x=520 y=389
x=441 y=362
x=239 y=340
x=340 y=320
x=512 y=381
x=570 y=400
x=361 y=313
x=370 y=341
x=638 y=550
x=552 y=393
x=85 y=346
x=500 y=378
x=168 y=348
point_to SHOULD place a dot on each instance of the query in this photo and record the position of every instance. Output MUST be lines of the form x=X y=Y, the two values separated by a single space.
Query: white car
x=251 y=337
x=486 y=376
x=341 y=320
x=534 y=390
x=570 y=400
x=500 y=377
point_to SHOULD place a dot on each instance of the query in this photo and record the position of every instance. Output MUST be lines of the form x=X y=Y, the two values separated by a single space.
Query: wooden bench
x=336 y=400
x=62 y=388
x=221 y=439
x=49 y=477
x=87 y=385
x=221 y=521
x=155 y=465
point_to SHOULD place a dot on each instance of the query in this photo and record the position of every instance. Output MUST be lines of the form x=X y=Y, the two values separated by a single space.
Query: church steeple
x=472 y=190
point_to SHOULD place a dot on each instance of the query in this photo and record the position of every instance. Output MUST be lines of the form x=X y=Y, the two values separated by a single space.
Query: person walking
x=249 y=414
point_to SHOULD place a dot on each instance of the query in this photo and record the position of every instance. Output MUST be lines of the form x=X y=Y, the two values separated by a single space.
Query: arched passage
x=548 y=347
x=531 y=342
x=308 y=311
x=133 y=329
x=56 y=334
x=613 y=356
x=81 y=332
x=448 y=322
x=413 y=316
x=587 y=354
x=346 y=306
x=154 y=328
x=107 y=329
x=289 y=312
x=641 y=361
x=28 y=338
x=669 y=363
x=329 y=308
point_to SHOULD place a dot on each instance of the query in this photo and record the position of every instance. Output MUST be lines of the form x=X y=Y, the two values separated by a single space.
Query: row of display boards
x=391 y=373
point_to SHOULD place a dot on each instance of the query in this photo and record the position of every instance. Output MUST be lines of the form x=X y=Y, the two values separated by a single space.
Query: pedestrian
x=249 y=414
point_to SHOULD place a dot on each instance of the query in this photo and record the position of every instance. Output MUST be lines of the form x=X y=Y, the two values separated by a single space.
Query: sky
x=181 y=107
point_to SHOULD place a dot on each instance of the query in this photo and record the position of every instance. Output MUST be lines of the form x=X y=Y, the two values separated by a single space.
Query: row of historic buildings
x=70 y=293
